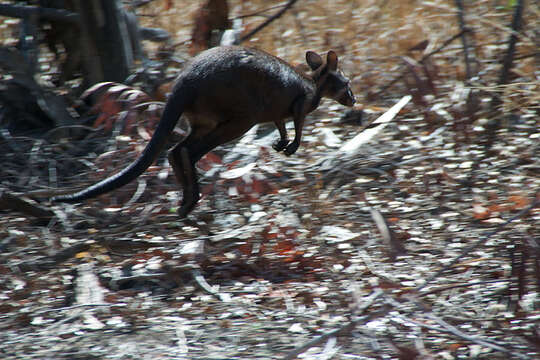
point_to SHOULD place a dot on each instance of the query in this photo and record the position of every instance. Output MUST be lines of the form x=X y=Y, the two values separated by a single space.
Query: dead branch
x=206 y=287
x=80 y=306
x=22 y=11
x=457 y=286
x=48 y=262
x=395 y=247
x=267 y=22
x=508 y=62
x=461 y=20
x=422 y=60
x=369 y=131
x=10 y=201
x=344 y=330
x=474 y=339
x=258 y=12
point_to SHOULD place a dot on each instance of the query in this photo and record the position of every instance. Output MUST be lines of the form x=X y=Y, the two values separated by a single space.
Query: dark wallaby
x=223 y=92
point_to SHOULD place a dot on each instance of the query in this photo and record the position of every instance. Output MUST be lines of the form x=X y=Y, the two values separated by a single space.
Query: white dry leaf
x=192 y=247
x=237 y=172
x=296 y=328
x=351 y=146
x=92 y=323
x=335 y=234
x=329 y=138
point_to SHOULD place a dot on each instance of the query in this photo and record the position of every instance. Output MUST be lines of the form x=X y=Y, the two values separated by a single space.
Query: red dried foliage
x=212 y=15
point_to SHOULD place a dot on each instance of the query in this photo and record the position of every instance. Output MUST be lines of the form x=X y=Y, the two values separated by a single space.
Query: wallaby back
x=223 y=92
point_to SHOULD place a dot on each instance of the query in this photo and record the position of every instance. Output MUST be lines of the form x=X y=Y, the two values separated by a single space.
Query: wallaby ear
x=314 y=60
x=331 y=60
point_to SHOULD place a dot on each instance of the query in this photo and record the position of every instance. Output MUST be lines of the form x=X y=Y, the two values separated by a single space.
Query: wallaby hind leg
x=184 y=168
x=175 y=159
x=185 y=154
x=191 y=186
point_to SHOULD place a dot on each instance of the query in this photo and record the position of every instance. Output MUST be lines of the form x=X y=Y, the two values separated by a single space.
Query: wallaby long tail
x=173 y=109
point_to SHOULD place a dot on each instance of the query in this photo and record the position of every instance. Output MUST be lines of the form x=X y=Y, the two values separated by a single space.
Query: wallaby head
x=330 y=81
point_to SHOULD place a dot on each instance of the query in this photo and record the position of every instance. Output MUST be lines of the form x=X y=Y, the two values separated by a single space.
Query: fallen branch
x=345 y=155
x=395 y=247
x=22 y=11
x=457 y=286
x=48 y=262
x=205 y=286
x=474 y=339
x=10 y=201
x=54 y=106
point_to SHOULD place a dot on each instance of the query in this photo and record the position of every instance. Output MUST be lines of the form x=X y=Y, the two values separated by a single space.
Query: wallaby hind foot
x=280 y=144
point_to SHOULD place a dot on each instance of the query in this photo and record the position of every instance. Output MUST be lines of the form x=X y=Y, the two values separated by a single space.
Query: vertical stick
x=461 y=20
x=508 y=62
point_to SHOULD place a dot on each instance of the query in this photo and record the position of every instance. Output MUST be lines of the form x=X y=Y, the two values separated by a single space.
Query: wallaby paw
x=291 y=148
x=280 y=144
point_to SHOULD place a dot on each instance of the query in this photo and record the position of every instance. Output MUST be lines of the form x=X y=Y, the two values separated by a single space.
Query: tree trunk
x=105 y=45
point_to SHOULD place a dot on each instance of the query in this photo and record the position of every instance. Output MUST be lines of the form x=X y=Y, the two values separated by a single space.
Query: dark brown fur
x=223 y=92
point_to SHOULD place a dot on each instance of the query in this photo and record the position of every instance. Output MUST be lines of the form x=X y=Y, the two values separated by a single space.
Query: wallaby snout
x=346 y=97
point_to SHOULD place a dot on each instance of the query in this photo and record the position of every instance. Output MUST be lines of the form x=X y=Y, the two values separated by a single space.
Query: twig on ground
x=11 y=201
x=47 y=262
x=483 y=342
x=345 y=329
x=369 y=131
x=455 y=286
x=449 y=329
x=79 y=306
x=205 y=286
x=482 y=240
